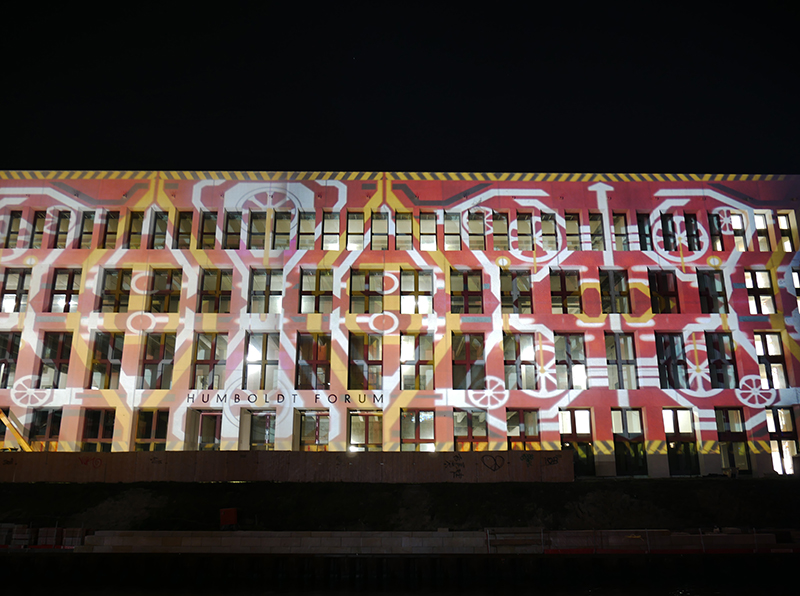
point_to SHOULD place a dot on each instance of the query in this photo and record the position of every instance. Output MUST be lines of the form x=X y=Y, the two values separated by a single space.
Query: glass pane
x=426 y=425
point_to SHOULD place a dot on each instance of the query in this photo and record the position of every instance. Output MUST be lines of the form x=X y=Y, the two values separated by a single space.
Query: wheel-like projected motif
x=25 y=394
x=750 y=392
x=494 y=396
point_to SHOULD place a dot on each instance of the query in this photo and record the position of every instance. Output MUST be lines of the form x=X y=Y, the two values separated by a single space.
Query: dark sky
x=248 y=86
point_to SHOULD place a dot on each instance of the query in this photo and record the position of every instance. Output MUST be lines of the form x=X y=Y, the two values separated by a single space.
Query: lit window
x=261 y=362
x=366 y=431
x=771 y=364
x=711 y=286
x=45 y=428
x=416 y=362
x=668 y=231
x=366 y=291
x=281 y=230
x=16 y=284
x=158 y=231
x=37 y=235
x=233 y=231
x=550 y=233
x=715 y=232
x=54 y=365
x=208 y=231
x=316 y=291
x=151 y=430
x=469 y=366
x=519 y=357
x=785 y=226
x=106 y=360
x=796 y=281
x=576 y=436
x=614 y=292
x=314 y=430
x=738 y=225
x=620 y=232
x=330 y=231
x=257 y=231
x=62 y=230
x=9 y=351
x=565 y=292
x=313 y=361
x=417 y=430
x=663 y=291
x=466 y=292
x=525 y=231
x=782 y=439
x=403 y=233
x=262 y=430
x=165 y=292
x=116 y=290
x=570 y=361
x=380 y=231
x=470 y=431
x=760 y=296
x=416 y=292
x=110 y=230
x=721 y=361
x=135 y=229
x=183 y=230
x=671 y=360
x=427 y=231
x=522 y=429
x=308 y=231
x=452 y=231
x=573 y=231
x=645 y=231
x=12 y=235
x=158 y=361
x=266 y=291
x=98 y=429
x=208 y=366
x=621 y=359
x=208 y=433
x=355 y=231
x=762 y=232
x=515 y=292
x=216 y=287
x=629 y=451
x=366 y=362
x=681 y=442
x=596 y=231
x=500 y=231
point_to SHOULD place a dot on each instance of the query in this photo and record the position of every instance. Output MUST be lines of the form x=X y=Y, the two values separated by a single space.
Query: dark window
x=525 y=230
x=629 y=452
x=106 y=360
x=314 y=430
x=645 y=231
x=208 y=366
x=621 y=359
x=519 y=357
x=261 y=362
x=307 y=230
x=760 y=296
x=570 y=361
x=403 y=231
x=732 y=439
x=233 y=231
x=782 y=439
x=355 y=231
x=366 y=431
x=330 y=231
x=416 y=362
x=427 y=231
x=208 y=434
x=416 y=292
x=183 y=230
x=98 y=429
x=596 y=231
x=711 y=286
x=417 y=430
x=576 y=436
x=380 y=231
x=715 y=232
x=158 y=231
x=500 y=231
x=787 y=236
x=257 y=231
x=671 y=360
x=515 y=292
x=452 y=231
x=614 y=291
x=721 y=361
x=54 y=365
x=135 y=229
x=565 y=292
x=151 y=430
x=663 y=291
x=9 y=352
x=262 y=430
x=366 y=362
x=116 y=290
x=620 y=232
x=208 y=231
x=37 y=234
x=313 y=361
x=668 y=231
x=266 y=291
x=469 y=366
x=762 y=232
x=470 y=431
x=12 y=235
x=45 y=428
x=158 y=362
x=316 y=291
x=477 y=231
x=739 y=230
x=523 y=430
x=165 y=292
x=14 y=297
x=573 y=231
x=771 y=364
x=692 y=231
x=366 y=291
x=216 y=286
x=87 y=227
x=62 y=230
x=466 y=292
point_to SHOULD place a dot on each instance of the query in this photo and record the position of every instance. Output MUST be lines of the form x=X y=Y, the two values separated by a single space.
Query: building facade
x=647 y=323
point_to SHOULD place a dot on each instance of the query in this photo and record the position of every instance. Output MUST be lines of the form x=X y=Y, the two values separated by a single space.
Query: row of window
x=523 y=361
x=403 y=231
x=367 y=291
x=418 y=433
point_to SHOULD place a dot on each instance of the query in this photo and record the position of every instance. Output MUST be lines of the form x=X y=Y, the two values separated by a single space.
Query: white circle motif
x=750 y=392
x=494 y=396
x=149 y=326
x=391 y=315
x=25 y=394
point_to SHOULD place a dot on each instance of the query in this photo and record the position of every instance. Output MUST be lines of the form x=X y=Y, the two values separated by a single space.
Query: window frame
x=427 y=231
x=365 y=367
x=515 y=362
x=37 y=229
x=158 y=230
x=568 y=364
x=257 y=230
x=12 y=233
x=500 y=238
x=61 y=233
x=525 y=231
x=739 y=231
x=232 y=234
x=153 y=441
x=135 y=231
x=563 y=294
x=215 y=364
x=183 y=236
x=762 y=231
x=207 y=233
x=523 y=440
x=19 y=294
x=769 y=362
x=756 y=293
x=715 y=234
x=217 y=299
x=403 y=230
x=370 y=296
x=214 y=417
x=668 y=232
x=423 y=368
x=101 y=441
x=160 y=362
x=170 y=295
x=320 y=442
x=470 y=364
x=616 y=362
x=620 y=226
x=476 y=228
x=45 y=429
x=314 y=364
x=58 y=360
x=268 y=367
x=514 y=300
x=476 y=438
x=671 y=357
x=268 y=444
x=661 y=298
x=615 y=300
x=572 y=231
x=465 y=294
x=331 y=226
x=692 y=231
x=452 y=231
x=116 y=299
x=9 y=355
x=107 y=348
x=645 y=228
x=307 y=234
x=271 y=297
x=412 y=417
x=416 y=293
x=322 y=298
x=597 y=232
x=379 y=240
x=355 y=230
x=110 y=229
x=707 y=280
x=369 y=443
x=786 y=232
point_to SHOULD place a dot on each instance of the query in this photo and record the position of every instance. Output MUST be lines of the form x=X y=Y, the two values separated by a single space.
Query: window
x=183 y=230
x=629 y=452
x=573 y=231
x=721 y=362
x=366 y=431
x=663 y=291
x=550 y=232
x=771 y=365
x=576 y=436
x=110 y=230
x=519 y=356
x=62 y=230
x=314 y=430
x=261 y=362
x=681 y=444
x=783 y=439
x=466 y=291
x=281 y=230
x=620 y=232
x=257 y=231
x=165 y=292
x=316 y=291
x=515 y=292
x=355 y=231
x=135 y=228
x=403 y=231
x=98 y=429
x=416 y=292
x=366 y=362
x=668 y=232
x=427 y=231
x=116 y=290
x=416 y=362
x=570 y=361
x=671 y=360
x=522 y=430
x=16 y=283
x=54 y=365
x=614 y=291
x=738 y=225
x=500 y=231
x=37 y=235
x=692 y=231
x=715 y=232
x=9 y=351
x=732 y=439
x=762 y=232
x=208 y=231
x=330 y=231
x=158 y=361
x=106 y=360
x=307 y=231
x=151 y=430
x=760 y=296
x=417 y=430
x=452 y=231
x=711 y=286
x=621 y=359
x=565 y=292
x=233 y=231
x=313 y=361
x=380 y=231
x=796 y=280
x=210 y=425
x=45 y=428
x=158 y=231
x=596 y=231
x=469 y=430
x=469 y=366
x=208 y=366
x=645 y=231
x=525 y=230
x=266 y=291
x=216 y=287
x=785 y=226
x=262 y=430
x=12 y=235
x=366 y=291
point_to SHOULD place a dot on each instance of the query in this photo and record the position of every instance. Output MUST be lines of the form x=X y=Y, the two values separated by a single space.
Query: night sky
x=246 y=86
